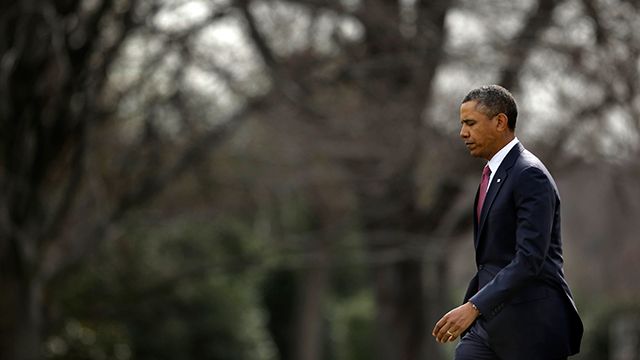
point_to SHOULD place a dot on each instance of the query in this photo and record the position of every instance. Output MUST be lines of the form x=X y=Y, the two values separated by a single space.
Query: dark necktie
x=484 y=184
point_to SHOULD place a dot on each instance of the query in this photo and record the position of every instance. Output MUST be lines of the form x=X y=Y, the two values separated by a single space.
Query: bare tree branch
x=591 y=9
x=524 y=42
x=60 y=255
x=293 y=91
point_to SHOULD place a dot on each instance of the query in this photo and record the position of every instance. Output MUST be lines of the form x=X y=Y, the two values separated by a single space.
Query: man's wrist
x=475 y=308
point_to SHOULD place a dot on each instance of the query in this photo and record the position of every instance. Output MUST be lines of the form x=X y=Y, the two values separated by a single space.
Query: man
x=518 y=306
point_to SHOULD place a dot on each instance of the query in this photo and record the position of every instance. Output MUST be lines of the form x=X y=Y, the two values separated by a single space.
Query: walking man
x=518 y=305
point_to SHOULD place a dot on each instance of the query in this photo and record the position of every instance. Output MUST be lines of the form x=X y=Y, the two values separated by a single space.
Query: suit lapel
x=496 y=184
x=475 y=216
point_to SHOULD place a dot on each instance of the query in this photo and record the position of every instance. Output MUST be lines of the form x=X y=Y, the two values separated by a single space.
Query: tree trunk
x=21 y=305
x=398 y=292
x=30 y=341
x=436 y=290
x=313 y=286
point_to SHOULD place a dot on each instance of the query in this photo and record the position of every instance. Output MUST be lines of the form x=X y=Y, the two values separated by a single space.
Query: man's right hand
x=453 y=323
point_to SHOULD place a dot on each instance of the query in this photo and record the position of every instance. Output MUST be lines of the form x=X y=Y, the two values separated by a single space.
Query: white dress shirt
x=496 y=160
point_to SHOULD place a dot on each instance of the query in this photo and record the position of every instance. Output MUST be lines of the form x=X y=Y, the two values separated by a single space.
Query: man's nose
x=464 y=133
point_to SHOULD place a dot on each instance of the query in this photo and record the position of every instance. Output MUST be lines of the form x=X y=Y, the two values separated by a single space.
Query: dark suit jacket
x=527 y=309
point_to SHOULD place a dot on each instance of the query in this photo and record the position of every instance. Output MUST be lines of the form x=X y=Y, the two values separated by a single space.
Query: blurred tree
x=353 y=108
x=178 y=289
x=372 y=87
x=82 y=143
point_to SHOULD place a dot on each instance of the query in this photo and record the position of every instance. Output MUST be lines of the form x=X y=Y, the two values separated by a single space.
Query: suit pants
x=475 y=346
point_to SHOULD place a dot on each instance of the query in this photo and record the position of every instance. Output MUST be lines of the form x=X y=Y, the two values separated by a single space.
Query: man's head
x=488 y=117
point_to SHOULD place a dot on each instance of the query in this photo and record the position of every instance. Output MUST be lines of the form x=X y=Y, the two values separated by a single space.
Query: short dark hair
x=495 y=100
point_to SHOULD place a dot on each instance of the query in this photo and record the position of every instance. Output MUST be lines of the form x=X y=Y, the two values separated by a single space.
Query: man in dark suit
x=518 y=306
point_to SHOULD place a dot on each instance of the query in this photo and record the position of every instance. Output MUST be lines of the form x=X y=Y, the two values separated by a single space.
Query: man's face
x=479 y=132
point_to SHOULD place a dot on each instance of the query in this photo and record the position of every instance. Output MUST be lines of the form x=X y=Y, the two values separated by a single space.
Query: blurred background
x=284 y=180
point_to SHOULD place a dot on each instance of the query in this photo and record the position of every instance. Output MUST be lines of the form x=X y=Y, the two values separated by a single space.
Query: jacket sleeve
x=535 y=202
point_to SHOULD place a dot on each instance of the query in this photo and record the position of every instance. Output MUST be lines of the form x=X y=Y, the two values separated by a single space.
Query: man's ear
x=503 y=122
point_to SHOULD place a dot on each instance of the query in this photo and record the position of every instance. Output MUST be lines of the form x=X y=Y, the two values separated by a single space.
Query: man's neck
x=497 y=158
x=505 y=141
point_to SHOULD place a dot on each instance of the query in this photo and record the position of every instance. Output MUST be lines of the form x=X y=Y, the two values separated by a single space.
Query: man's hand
x=454 y=323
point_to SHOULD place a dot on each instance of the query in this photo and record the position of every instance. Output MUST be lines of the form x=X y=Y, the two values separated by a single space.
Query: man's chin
x=479 y=155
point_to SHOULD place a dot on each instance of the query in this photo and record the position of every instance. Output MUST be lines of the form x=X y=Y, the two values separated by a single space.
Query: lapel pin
x=498 y=180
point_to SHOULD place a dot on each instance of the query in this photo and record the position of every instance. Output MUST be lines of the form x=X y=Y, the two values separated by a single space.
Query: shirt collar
x=496 y=160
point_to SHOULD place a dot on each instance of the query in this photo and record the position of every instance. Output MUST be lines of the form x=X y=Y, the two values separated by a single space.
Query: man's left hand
x=454 y=323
